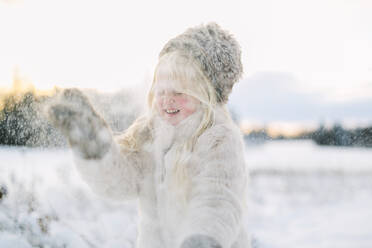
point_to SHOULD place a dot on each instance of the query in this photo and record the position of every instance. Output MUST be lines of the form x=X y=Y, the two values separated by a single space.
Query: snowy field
x=300 y=195
x=306 y=196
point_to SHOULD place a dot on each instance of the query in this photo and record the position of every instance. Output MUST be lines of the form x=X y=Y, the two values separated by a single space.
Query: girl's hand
x=86 y=132
x=200 y=241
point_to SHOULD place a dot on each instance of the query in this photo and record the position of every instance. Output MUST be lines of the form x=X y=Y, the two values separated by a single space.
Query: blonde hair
x=188 y=78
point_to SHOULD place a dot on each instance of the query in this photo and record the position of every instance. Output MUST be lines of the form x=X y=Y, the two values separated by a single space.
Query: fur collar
x=165 y=134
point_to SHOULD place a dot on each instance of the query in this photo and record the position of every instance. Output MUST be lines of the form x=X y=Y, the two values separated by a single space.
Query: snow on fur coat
x=210 y=201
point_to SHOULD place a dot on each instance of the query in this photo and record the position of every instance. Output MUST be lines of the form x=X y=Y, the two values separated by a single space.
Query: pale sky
x=326 y=45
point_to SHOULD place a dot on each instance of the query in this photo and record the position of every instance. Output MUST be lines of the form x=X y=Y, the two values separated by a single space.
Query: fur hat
x=216 y=51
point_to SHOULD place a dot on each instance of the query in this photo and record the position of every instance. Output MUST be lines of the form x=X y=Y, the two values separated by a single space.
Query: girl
x=184 y=159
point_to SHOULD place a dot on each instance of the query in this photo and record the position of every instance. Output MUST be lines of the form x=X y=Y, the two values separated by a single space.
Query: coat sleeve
x=216 y=199
x=110 y=170
x=118 y=175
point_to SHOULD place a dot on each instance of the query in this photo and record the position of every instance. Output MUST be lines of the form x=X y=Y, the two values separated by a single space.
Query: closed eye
x=160 y=93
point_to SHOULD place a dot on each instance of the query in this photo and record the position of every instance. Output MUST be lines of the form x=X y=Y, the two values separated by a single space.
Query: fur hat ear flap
x=217 y=53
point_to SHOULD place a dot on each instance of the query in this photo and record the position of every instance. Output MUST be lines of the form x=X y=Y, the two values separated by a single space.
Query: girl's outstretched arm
x=105 y=167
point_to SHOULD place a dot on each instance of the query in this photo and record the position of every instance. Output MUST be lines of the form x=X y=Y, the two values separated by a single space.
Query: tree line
x=333 y=136
x=23 y=121
x=338 y=136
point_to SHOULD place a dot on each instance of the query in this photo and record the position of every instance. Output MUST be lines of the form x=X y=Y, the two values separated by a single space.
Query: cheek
x=188 y=105
x=158 y=104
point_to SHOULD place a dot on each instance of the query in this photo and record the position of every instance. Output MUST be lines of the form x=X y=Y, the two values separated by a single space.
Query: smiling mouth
x=172 y=112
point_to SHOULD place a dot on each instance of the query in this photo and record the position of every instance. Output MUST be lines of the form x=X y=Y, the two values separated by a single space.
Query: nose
x=168 y=99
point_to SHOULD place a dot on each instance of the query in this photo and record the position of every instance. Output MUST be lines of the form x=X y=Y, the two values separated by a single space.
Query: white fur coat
x=209 y=201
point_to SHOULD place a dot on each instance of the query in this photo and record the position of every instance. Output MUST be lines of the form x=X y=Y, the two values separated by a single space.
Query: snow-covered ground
x=305 y=196
x=300 y=195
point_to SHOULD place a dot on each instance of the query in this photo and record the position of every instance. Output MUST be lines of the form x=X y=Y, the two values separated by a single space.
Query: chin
x=174 y=123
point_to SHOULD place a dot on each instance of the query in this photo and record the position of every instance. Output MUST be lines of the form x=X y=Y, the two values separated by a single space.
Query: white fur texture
x=216 y=51
x=211 y=202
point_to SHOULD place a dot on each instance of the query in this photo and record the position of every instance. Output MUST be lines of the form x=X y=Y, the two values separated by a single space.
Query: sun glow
x=276 y=129
x=20 y=86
